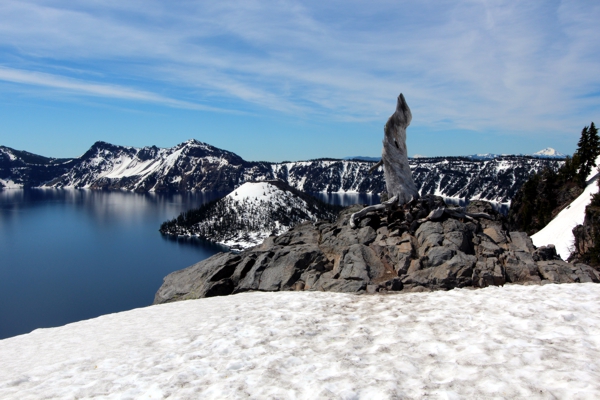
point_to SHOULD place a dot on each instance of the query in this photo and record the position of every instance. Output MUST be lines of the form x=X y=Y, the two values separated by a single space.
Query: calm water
x=68 y=255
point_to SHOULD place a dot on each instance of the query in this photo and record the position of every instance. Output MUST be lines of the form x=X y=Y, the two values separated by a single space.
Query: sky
x=290 y=80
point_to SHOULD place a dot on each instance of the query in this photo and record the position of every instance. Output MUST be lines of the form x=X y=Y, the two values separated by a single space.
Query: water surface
x=67 y=255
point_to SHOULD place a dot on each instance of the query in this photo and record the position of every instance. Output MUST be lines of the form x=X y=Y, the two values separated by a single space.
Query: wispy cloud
x=476 y=65
x=93 y=89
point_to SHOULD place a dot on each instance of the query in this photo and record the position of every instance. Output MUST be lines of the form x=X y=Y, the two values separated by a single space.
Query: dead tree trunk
x=399 y=182
x=398 y=177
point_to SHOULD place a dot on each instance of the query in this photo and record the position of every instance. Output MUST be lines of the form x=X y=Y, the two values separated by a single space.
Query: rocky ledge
x=390 y=250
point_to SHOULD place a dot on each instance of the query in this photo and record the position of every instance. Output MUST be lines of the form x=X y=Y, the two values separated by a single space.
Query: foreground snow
x=510 y=342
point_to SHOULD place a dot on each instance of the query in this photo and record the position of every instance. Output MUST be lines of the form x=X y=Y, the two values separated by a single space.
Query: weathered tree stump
x=399 y=182
x=398 y=177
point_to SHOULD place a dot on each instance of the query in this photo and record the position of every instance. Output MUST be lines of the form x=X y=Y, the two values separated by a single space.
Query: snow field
x=9 y=184
x=559 y=231
x=255 y=191
x=500 y=342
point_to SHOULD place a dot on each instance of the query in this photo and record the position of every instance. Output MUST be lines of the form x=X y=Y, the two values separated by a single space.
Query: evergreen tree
x=594 y=145
x=588 y=149
x=583 y=153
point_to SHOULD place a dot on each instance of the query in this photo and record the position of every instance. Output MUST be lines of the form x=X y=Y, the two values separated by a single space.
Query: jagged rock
x=546 y=253
x=489 y=272
x=456 y=272
x=384 y=255
x=520 y=241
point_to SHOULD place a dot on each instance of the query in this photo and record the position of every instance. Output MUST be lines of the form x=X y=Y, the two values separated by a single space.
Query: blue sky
x=286 y=80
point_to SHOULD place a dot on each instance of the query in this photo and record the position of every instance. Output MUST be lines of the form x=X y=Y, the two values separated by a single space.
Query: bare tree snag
x=398 y=177
x=354 y=218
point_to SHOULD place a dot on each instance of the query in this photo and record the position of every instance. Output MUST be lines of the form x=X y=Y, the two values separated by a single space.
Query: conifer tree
x=588 y=150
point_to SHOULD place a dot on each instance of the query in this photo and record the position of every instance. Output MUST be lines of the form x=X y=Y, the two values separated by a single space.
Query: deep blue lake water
x=68 y=255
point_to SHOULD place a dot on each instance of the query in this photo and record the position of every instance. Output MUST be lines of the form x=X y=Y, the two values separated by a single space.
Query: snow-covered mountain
x=549 y=152
x=249 y=214
x=21 y=168
x=191 y=165
x=194 y=165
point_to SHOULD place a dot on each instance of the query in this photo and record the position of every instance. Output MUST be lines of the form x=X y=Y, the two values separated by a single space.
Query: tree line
x=546 y=193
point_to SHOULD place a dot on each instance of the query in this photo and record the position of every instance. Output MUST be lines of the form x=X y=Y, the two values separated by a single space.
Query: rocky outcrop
x=390 y=250
x=587 y=235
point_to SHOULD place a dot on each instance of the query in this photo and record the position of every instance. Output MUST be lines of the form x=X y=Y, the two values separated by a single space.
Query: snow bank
x=9 y=184
x=559 y=231
x=510 y=342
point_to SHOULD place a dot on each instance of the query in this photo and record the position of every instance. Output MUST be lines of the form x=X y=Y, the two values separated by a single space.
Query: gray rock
x=488 y=272
x=520 y=267
x=340 y=285
x=437 y=256
x=288 y=264
x=195 y=282
x=585 y=273
x=428 y=229
x=250 y=270
x=457 y=272
x=361 y=263
x=310 y=278
x=520 y=241
x=487 y=249
x=380 y=256
x=366 y=235
x=428 y=235
x=557 y=271
x=546 y=253
x=459 y=240
x=496 y=234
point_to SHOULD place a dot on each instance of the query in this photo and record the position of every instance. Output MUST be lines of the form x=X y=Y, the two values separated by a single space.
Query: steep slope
x=559 y=231
x=20 y=169
x=246 y=216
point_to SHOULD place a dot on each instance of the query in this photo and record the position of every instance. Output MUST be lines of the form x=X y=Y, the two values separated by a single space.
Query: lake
x=68 y=255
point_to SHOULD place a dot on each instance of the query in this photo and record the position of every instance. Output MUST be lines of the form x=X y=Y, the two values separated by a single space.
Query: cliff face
x=391 y=250
x=587 y=236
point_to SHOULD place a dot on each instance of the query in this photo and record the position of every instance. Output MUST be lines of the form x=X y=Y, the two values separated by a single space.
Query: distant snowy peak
x=549 y=152
x=249 y=214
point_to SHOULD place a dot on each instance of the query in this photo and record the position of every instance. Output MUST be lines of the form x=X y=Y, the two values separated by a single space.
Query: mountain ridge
x=195 y=165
